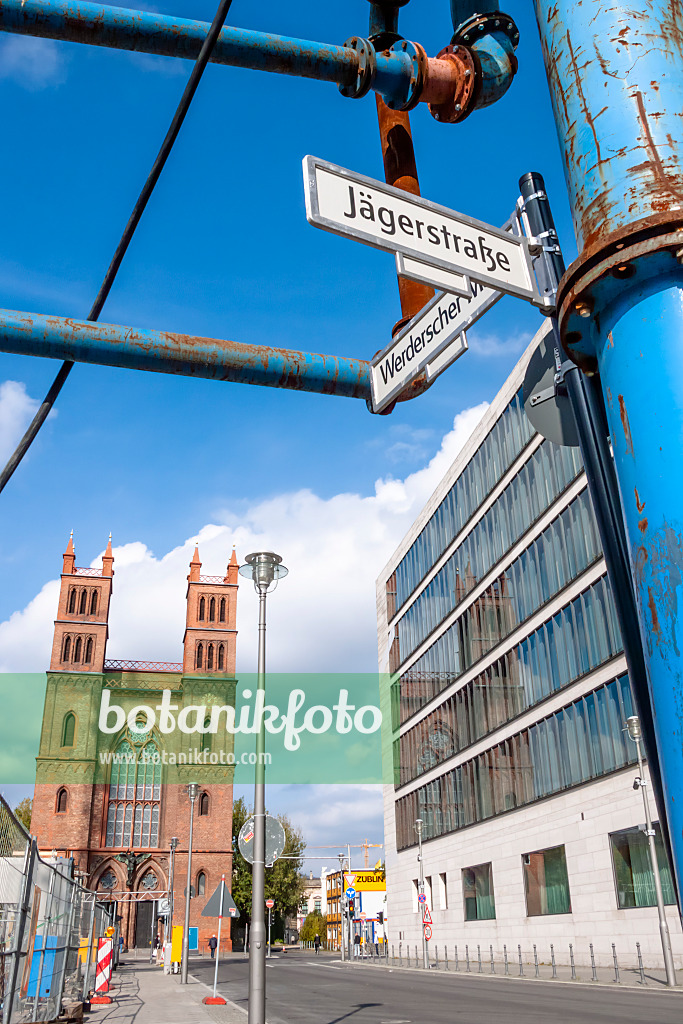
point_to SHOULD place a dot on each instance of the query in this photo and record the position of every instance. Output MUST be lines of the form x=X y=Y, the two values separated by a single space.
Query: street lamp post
x=418 y=828
x=634 y=731
x=265 y=569
x=192 y=791
x=173 y=846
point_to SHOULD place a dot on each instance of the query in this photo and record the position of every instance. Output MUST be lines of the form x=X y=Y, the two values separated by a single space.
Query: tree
x=23 y=812
x=315 y=924
x=284 y=882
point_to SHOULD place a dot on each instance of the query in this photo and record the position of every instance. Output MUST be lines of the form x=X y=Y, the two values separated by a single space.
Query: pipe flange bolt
x=482 y=24
x=459 y=105
x=419 y=61
x=367 y=68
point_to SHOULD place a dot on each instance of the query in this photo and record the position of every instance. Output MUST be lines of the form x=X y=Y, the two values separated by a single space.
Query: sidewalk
x=143 y=994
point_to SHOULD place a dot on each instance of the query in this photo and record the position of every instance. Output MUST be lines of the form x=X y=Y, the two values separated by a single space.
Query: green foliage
x=315 y=924
x=23 y=812
x=284 y=882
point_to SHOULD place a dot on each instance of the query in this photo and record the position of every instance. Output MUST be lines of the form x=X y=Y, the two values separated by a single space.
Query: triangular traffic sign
x=427 y=919
x=213 y=906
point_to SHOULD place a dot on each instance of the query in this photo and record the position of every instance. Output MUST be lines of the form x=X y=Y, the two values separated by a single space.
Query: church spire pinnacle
x=233 y=568
x=195 y=565
x=108 y=560
x=69 y=556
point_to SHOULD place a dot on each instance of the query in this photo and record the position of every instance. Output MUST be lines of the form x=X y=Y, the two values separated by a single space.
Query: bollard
x=552 y=960
x=521 y=968
x=393 y=958
x=445 y=954
x=535 y=961
x=617 y=979
x=467 y=957
x=571 y=961
x=479 y=958
x=505 y=958
x=493 y=969
x=416 y=955
x=456 y=959
x=595 y=973
x=436 y=957
x=640 y=964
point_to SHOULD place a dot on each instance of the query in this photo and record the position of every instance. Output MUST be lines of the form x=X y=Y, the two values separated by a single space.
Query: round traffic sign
x=275 y=840
x=422 y=898
x=350 y=893
x=428 y=932
x=363 y=915
x=270 y=904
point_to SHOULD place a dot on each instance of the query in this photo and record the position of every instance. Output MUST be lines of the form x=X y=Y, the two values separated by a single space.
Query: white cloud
x=493 y=346
x=321 y=618
x=17 y=409
x=31 y=62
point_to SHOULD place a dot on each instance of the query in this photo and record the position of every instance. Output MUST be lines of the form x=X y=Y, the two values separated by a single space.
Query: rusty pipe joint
x=492 y=39
x=450 y=84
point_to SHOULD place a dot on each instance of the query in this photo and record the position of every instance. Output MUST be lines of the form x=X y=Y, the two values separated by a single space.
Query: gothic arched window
x=69 y=730
x=209 y=657
x=212 y=610
x=87 y=658
x=83 y=602
x=93 y=603
x=221 y=656
x=77 y=650
x=202 y=607
x=134 y=797
x=221 y=610
x=62 y=800
x=203 y=805
x=200 y=655
x=201 y=883
x=72 y=601
x=67 y=647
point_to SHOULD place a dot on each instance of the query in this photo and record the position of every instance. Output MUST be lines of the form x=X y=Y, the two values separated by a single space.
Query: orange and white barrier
x=105 y=956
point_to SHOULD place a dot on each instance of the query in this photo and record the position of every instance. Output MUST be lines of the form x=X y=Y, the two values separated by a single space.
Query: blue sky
x=224 y=250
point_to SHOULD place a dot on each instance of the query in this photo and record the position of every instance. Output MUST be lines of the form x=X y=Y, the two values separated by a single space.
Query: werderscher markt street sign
x=387 y=218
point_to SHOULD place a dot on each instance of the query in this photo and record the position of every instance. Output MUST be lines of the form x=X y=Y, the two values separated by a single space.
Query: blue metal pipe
x=135 y=348
x=496 y=55
x=148 y=32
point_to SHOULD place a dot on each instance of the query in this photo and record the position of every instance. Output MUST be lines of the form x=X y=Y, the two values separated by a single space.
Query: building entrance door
x=144 y=915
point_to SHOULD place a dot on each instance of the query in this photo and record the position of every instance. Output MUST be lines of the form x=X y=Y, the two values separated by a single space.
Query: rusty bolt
x=458 y=107
x=467 y=73
x=679 y=255
x=584 y=307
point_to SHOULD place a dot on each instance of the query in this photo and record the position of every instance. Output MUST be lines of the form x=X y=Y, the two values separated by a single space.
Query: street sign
x=350 y=893
x=164 y=907
x=428 y=932
x=440 y=324
x=546 y=404
x=421 y=898
x=363 y=915
x=213 y=906
x=275 y=840
x=353 y=205
x=446 y=280
x=270 y=904
x=426 y=917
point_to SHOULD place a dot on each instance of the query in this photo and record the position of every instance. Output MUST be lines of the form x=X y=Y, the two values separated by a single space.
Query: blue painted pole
x=616 y=80
x=135 y=348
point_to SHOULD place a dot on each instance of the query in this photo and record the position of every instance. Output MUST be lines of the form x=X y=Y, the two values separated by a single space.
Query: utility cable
x=126 y=237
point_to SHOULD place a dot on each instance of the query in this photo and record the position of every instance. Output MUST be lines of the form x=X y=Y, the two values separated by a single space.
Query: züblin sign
x=366 y=881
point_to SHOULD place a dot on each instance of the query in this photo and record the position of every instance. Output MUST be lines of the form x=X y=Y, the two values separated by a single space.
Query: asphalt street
x=305 y=989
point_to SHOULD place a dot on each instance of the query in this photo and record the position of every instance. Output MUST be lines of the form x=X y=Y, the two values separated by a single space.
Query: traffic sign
x=270 y=904
x=421 y=898
x=426 y=916
x=213 y=906
x=546 y=404
x=350 y=892
x=388 y=218
x=428 y=932
x=164 y=907
x=363 y=915
x=275 y=840
x=437 y=331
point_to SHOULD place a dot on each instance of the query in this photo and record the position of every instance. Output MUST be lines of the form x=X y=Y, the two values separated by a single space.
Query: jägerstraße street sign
x=429 y=334
x=387 y=218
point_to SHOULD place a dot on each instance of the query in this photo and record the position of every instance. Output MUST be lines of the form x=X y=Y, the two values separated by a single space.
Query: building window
x=69 y=730
x=633 y=869
x=209 y=657
x=546 y=882
x=134 y=797
x=67 y=648
x=477 y=888
x=83 y=602
x=201 y=883
x=203 y=805
x=77 y=650
x=200 y=655
x=93 y=603
x=88 y=651
x=72 y=601
x=317 y=904
x=202 y=607
x=221 y=610
x=443 y=892
x=62 y=800
x=303 y=907
x=212 y=610
x=221 y=656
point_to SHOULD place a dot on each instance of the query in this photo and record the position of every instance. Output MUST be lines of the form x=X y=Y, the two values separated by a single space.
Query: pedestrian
x=213 y=942
x=157 y=949
x=316 y=943
x=356 y=945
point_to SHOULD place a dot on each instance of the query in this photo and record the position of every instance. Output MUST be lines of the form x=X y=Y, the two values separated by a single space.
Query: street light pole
x=265 y=569
x=418 y=828
x=635 y=732
x=192 y=791
x=169 y=930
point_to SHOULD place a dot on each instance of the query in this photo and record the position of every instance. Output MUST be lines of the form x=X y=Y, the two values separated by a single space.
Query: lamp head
x=633 y=726
x=418 y=826
x=265 y=569
x=193 y=791
x=174 y=842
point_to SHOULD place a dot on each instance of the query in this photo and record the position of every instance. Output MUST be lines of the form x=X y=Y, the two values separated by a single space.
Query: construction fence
x=50 y=927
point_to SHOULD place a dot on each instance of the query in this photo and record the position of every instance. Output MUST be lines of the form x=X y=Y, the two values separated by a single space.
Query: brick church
x=116 y=815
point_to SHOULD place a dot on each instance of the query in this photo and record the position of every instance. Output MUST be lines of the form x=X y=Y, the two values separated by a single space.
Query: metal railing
x=143 y=666
x=82 y=570
x=49 y=929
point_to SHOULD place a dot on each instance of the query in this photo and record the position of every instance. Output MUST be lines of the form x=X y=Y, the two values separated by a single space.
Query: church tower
x=81 y=629
x=211 y=621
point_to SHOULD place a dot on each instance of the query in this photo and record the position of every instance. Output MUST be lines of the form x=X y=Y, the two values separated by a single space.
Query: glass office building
x=508 y=696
